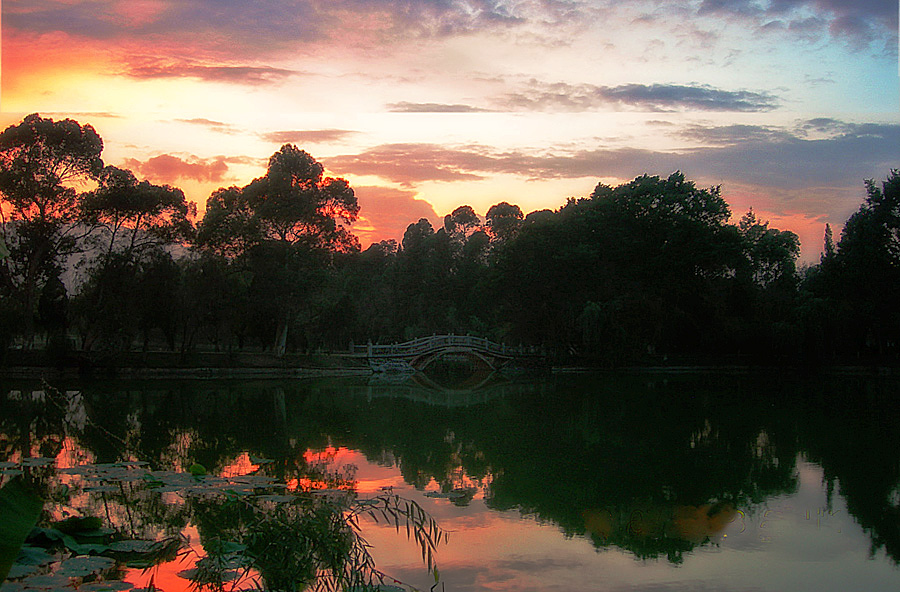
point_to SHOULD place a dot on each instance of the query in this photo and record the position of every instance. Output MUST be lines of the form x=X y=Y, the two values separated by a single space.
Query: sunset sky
x=425 y=105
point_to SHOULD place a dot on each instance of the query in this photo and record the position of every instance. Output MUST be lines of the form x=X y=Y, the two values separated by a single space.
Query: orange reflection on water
x=698 y=523
x=240 y=466
x=694 y=524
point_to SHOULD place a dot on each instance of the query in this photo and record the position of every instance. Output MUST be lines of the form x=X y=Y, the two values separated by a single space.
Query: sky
x=426 y=105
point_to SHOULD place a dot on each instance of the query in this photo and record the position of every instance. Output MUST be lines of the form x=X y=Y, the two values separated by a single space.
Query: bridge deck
x=439 y=343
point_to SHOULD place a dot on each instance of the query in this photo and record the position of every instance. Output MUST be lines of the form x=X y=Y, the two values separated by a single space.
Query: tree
x=771 y=253
x=229 y=227
x=294 y=202
x=416 y=234
x=461 y=222
x=665 y=246
x=149 y=215
x=293 y=215
x=41 y=161
x=868 y=267
x=503 y=220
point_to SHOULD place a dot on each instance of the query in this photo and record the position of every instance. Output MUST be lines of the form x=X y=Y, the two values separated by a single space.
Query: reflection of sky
x=792 y=542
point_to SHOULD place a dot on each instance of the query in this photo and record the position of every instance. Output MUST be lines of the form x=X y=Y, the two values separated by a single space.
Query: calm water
x=633 y=482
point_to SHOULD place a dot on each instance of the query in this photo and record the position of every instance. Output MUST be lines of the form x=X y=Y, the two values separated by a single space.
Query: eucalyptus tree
x=42 y=162
x=503 y=221
x=132 y=270
x=284 y=226
x=137 y=215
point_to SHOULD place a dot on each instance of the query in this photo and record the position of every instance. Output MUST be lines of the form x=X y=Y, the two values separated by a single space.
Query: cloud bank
x=753 y=155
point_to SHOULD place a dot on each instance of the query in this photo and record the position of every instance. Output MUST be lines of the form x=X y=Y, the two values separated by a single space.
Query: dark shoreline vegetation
x=647 y=273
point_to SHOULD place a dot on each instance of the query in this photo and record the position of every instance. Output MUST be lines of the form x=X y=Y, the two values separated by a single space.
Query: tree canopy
x=652 y=268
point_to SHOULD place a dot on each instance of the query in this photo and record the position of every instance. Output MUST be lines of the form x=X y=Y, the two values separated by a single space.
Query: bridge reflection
x=475 y=389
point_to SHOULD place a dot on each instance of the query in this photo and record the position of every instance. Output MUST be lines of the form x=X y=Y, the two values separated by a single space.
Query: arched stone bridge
x=419 y=353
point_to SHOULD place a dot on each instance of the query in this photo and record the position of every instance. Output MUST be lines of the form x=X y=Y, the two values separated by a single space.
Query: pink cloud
x=169 y=169
x=385 y=213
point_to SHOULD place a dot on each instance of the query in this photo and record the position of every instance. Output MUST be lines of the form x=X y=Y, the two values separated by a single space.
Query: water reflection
x=663 y=468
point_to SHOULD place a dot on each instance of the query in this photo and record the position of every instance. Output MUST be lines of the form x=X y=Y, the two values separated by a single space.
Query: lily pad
x=101 y=489
x=29 y=555
x=106 y=586
x=37 y=461
x=133 y=546
x=84 y=565
x=79 y=470
x=76 y=524
x=20 y=570
x=46 y=582
x=193 y=573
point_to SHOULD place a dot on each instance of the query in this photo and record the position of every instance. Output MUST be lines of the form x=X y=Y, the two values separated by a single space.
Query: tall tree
x=868 y=262
x=137 y=214
x=771 y=253
x=41 y=163
x=503 y=220
x=295 y=202
x=293 y=215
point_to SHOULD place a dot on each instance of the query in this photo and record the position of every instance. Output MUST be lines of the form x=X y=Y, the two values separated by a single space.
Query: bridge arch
x=420 y=353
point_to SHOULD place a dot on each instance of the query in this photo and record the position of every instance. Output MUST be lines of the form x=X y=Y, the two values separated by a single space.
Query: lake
x=618 y=482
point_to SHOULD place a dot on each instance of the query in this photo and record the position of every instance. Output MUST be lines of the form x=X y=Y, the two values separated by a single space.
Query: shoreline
x=160 y=365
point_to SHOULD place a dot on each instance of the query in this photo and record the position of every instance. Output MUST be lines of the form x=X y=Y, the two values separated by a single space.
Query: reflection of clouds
x=764 y=548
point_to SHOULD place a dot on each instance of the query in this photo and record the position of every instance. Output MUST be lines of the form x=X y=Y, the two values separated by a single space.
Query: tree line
x=651 y=270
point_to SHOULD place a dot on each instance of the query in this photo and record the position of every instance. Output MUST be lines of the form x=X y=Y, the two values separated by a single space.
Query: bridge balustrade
x=435 y=342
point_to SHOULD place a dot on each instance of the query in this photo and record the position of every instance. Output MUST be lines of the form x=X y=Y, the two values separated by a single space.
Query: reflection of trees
x=290 y=539
x=653 y=465
x=646 y=453
x=850 y=429
x=170 y=424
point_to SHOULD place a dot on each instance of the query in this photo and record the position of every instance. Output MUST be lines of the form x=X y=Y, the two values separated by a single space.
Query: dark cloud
x=168 y=168
x=405 y=107
x=260 y=28
x=733 y=134
x=561 y=96
x=410 y=163
x=225 y=26
x=861 y=22
x=760 y=156
x=322 y=136
x=255 y=30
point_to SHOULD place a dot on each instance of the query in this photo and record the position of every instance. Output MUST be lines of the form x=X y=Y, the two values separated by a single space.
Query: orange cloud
x=167 y=168
x=385 y=213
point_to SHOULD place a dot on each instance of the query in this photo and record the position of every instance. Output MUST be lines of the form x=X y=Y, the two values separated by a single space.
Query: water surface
x=591 y=482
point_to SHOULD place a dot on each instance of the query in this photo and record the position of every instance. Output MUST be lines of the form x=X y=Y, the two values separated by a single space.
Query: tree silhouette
x=294 y=202
x=503 y=220
x=40 y=161
x=149 y=214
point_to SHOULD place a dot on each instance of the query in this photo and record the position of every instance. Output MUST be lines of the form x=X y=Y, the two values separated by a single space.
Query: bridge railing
x=435 y=342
